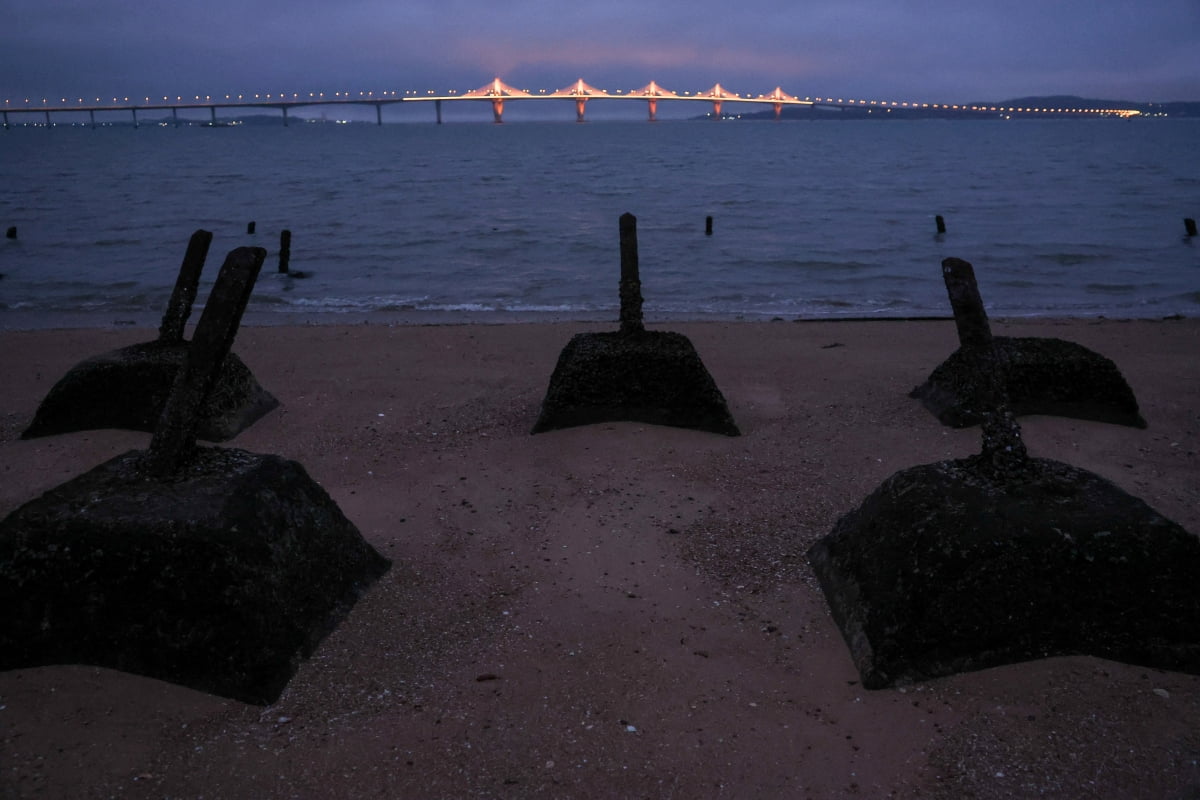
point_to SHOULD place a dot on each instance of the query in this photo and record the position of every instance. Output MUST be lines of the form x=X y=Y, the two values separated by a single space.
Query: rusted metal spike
x=180 y=306
x=970 y=317
x=175 y=437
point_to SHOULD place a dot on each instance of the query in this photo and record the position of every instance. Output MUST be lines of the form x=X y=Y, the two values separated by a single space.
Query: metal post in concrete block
x=970 y=317
x=174 y=439
x=180 y=306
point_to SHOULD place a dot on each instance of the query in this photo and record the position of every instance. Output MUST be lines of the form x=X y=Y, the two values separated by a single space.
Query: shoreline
x=617 y=609
x=12 y=321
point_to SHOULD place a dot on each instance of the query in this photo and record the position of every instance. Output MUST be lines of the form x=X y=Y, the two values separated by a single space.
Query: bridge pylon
x=496 y=91
x=652 y=91
x=582 y=92
x=718 y=94
x=778 y=98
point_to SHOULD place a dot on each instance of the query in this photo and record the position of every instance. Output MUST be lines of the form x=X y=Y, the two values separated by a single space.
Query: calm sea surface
x=811 y=219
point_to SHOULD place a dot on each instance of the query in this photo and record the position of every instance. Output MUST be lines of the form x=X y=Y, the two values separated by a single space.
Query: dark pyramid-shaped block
x=1041 y=376
x=220 y=579
x=216 y=569
x=127 y=389
x=959 y=566
x=633 y=374
x=655 y=377
x=1036 y=375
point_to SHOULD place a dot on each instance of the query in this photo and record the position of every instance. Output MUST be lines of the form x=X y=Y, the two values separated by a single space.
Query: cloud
x=924 y=49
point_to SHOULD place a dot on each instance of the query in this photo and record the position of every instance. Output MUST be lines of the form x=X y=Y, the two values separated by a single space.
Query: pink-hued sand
x=613 y=611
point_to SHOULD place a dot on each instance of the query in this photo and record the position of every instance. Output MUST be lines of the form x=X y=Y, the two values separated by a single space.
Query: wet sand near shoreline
x=617 y=610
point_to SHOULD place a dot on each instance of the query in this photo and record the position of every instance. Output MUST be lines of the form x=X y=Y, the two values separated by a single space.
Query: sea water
x=817 y=219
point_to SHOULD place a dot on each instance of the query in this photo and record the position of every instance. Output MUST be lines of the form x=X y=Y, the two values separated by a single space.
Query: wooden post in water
x=941 y=223
x=174 y=438
x=249 y=227
x=180 y=306
x=708 y=226
x=970 y=317
x=11 y=233
x=1189 y=225
x=631 y=283
x=285 y=250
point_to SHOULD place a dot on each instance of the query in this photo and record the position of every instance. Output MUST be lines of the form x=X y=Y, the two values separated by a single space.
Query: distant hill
x=1171 y=109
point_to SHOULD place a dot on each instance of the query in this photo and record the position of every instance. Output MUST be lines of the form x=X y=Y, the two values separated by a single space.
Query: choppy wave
x=810 y=219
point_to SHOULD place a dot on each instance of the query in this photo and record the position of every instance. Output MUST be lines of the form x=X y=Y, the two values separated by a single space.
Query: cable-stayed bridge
x=497 y=93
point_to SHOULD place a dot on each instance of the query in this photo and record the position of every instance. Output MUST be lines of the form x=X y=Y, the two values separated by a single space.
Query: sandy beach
x=618 y=610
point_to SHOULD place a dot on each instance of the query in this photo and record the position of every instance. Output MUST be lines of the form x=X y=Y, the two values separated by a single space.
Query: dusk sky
x=923 y=50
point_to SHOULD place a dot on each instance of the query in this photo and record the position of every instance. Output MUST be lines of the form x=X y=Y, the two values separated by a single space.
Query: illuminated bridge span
x=580 y=91
x=497 y=93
